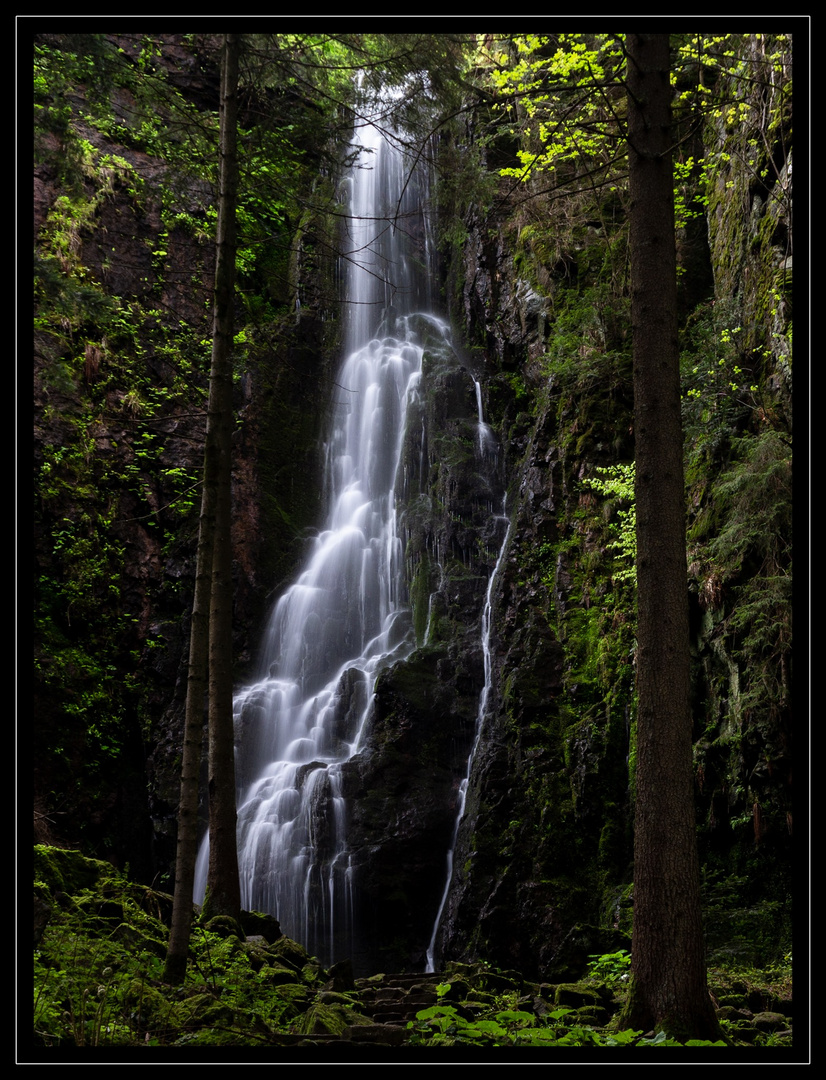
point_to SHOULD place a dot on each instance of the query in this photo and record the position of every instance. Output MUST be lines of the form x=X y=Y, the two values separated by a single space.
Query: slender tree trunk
x=668 y=989
x=187 y=844
x=223 y=888
x=210 y=643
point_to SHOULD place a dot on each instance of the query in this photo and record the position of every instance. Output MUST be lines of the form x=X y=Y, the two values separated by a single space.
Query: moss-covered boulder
x=68 y=871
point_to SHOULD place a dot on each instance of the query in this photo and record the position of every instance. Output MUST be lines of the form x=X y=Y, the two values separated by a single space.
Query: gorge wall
x=536 y=292
x=545 y=856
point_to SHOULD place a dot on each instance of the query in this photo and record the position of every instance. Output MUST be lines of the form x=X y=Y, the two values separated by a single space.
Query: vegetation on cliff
x=543 y=288
x=124 y=239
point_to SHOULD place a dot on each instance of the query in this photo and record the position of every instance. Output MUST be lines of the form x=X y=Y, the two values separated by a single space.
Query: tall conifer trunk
x=210 y=645
x=196 y=691
x=223 y=888
x=668 y=960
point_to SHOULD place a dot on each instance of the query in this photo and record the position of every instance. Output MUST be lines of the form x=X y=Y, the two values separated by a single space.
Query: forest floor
x=100 y=946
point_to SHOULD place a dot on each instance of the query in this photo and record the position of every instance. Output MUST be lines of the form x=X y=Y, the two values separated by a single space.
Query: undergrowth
x=98 y=982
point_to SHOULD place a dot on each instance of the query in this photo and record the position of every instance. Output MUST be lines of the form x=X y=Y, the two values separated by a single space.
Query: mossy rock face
x=733 y=1014
x=401 y=793
x=328 y=1019
x=147 y=1002
x=225 y=926
x=257 y=953
x=258 y=923
x=68 y=871
x=770 y=1021
x=744 y=1033
x=297 y=994
x=137 y=940
x=274 y=974
x=218 y=1036
x=372 y=981
x=290 y=953
x=577 y=995
x=313 y=972
x=590 y=1016
x=500 y=982
x=332 y=997
x=215 y=1012
x=459 y=990
x=341 y=977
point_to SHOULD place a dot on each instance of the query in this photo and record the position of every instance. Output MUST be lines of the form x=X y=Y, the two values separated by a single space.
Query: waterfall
x=347 y=614
x=487 y=440
x=480 y=718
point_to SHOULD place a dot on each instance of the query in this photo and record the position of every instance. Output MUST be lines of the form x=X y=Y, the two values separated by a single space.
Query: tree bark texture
x=668 y=960
x=196 y=690
x=212 y=558
x=223 y=888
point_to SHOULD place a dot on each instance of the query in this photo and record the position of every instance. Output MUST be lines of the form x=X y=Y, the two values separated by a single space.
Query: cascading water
x=487 y=441
x=347 y=613
x=483 y=704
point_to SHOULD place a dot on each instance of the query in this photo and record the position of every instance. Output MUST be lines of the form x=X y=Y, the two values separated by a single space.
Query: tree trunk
x=210 y=642
x=196 y=690
x=223 y=888
x=668 y=989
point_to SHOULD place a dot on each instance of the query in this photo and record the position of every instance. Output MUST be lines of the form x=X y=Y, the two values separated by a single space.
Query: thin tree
x=196 y=691
x=668 y=987
x=223 y=887
x=210 y=648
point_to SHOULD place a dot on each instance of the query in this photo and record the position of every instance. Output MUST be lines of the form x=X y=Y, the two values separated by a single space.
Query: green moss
x=69 y=871
x=421 y=587
x=328 y=1019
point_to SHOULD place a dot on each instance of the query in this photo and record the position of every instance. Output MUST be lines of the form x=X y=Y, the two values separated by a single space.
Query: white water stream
x=480 y=715
x=346 y=615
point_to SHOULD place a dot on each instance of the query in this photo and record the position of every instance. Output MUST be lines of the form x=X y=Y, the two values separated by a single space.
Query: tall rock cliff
x=123 y=279
x=544 y=864
x=537 y=294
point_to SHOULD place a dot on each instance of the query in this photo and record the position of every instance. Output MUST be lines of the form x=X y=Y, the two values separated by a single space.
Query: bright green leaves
x=616 y=483
x=563 y=98
x=718 y=382
x=569 y=91
x=68 y=292
x=446 y=1025
x=699 y=61
x=610 y=968
x=690 y=198
x=186 y=483
x=543 y=65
